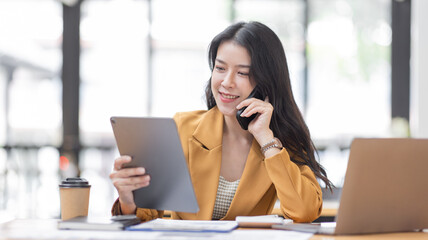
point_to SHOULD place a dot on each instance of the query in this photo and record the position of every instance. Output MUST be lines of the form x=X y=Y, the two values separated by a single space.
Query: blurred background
x=66 y=67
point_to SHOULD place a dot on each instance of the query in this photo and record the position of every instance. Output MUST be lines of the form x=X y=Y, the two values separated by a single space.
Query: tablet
x=153 y=143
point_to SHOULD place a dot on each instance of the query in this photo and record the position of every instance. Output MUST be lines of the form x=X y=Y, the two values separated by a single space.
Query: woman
x=236 y=171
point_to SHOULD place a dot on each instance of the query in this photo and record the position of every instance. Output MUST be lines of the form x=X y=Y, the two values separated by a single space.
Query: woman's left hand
x=259 y=127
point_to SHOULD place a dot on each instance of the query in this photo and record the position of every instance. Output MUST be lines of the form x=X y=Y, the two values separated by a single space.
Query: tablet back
x=153 y=143
x=385 y=188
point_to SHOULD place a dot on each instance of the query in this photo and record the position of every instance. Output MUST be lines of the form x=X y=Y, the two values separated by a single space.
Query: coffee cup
x=74 y=195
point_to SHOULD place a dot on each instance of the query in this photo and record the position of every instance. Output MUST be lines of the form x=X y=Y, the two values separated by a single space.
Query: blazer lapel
x=205 y=161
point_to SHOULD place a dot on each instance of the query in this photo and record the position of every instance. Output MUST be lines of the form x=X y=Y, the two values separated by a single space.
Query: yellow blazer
x=262 y=182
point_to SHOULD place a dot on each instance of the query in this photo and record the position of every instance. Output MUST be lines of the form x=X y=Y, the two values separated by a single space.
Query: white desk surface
x=47 y=229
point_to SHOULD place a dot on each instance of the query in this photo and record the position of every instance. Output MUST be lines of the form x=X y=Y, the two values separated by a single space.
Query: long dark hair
x=269 y=70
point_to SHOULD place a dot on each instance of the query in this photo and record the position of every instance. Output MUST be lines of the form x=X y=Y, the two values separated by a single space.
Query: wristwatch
x=274 y=143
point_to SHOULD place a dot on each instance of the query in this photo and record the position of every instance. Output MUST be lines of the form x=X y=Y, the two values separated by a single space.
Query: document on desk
x=185 y=226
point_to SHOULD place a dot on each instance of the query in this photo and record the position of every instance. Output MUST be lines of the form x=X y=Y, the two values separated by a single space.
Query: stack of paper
x=185 y=226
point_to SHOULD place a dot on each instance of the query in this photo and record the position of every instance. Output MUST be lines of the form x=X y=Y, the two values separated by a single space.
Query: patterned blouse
x=225 y=193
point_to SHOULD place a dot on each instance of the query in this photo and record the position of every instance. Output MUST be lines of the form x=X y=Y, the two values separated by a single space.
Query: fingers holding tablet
x=120 y=161
x=126 y=180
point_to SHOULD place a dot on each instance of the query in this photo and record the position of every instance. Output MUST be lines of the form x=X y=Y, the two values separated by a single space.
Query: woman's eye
x=243 y=73
x=219 y=68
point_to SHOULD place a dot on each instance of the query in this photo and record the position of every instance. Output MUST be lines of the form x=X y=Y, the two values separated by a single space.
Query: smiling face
x=230 y=79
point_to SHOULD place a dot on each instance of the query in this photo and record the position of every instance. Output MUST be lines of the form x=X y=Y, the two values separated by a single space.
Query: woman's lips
x=227 y=98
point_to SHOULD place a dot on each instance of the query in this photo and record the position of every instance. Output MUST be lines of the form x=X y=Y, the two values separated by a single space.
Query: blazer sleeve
x=297 y=188
x=143 y=213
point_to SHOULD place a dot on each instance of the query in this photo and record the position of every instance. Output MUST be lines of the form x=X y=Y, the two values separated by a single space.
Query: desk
x=46 y=229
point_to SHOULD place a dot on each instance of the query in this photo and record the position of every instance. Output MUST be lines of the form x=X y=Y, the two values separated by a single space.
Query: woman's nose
x=228 y=81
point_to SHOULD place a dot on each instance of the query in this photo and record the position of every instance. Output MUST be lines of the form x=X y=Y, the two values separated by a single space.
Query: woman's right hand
x=126 y=180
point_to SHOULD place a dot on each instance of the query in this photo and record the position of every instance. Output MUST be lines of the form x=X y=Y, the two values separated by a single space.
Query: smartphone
x=244 y=121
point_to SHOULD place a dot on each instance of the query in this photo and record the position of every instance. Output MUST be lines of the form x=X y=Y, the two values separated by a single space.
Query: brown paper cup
x=74 y=195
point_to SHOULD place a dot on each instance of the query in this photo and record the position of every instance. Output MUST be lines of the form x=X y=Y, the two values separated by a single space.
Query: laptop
x=385 y=189
x=154 y=143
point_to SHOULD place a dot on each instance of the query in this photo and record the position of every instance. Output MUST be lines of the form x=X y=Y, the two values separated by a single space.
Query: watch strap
x=274 y=143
